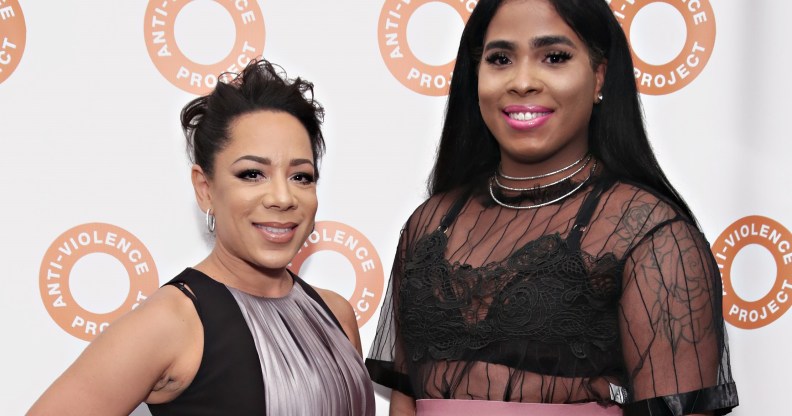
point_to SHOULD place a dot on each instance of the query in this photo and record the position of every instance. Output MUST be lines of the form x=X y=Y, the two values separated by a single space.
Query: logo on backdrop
x=776 y=239
x=403 y=64
x=73 y=245
x=158 y=27
x=688 y=64
x=12 y=37
x=358 y=250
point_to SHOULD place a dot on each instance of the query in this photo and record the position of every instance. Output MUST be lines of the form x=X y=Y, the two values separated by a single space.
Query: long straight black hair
x=468 y=153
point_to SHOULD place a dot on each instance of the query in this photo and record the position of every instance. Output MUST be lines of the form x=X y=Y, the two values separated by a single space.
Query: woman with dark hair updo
x=238 y=334
x=553 y=270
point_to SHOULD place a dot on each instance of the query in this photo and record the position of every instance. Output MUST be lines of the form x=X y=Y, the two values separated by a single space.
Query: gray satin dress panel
x=308 y=364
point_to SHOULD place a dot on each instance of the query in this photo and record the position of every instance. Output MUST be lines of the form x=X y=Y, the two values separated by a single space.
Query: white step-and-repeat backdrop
x=98 y=210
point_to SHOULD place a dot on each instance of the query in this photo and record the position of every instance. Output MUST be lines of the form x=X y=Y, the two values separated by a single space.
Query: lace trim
x=447 y=309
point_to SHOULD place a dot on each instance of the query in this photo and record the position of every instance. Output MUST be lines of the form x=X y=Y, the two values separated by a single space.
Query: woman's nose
x=524 y=80
x=278 y=195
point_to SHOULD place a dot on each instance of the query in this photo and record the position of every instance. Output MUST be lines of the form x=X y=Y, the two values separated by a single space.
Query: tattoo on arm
x=672 y=271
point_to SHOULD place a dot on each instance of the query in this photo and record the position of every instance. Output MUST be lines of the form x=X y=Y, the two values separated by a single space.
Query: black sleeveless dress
x=284 y=356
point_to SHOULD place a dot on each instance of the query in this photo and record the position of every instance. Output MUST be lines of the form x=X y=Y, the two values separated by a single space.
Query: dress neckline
x=287 y=295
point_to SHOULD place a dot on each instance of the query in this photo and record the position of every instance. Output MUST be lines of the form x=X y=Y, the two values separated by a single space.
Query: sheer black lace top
x=610 y=295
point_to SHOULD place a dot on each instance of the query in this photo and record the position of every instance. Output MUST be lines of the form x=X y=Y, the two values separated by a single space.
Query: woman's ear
x=201 y=186
x=599 y=76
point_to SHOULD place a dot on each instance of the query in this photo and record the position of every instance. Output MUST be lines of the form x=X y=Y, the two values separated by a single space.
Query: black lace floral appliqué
x=544 y=294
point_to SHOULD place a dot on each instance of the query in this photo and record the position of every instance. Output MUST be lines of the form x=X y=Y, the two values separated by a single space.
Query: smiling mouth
x=275 y=230
x=278 y=233
x=526 y=116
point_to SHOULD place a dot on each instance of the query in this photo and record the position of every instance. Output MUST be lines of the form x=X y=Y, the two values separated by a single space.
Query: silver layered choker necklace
x=587 y=156
x=495 y=182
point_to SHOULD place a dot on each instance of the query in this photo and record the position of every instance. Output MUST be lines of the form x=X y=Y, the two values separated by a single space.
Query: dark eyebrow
x=543 y=41
x=536 y=43
x=267 y=161
x=500 y=44
x=257 y=159
x=297 y=162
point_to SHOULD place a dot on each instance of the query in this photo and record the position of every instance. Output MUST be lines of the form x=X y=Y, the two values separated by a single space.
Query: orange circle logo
x=77 y=243
x=401 y=61
x=358 y=250
x=777 y=240
x=688 y=64
x=12 y=37
x=158 y=27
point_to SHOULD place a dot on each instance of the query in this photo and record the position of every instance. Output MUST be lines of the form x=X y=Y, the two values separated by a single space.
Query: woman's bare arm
x=401 y=404
x=153 y=345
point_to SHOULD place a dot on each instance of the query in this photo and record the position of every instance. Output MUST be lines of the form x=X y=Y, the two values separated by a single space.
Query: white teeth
x=274 y=230
x=526 y=116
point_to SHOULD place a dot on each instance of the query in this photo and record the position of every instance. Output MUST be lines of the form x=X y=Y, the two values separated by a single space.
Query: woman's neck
x=543 y=173
x=240 y=274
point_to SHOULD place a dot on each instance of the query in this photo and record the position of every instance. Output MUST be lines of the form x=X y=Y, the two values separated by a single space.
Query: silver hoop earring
x=600 y=97
x=210 y=220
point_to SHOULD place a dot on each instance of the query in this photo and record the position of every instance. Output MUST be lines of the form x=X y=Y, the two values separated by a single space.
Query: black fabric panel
x=719 y=399
x=229 y=380
x=382 y=373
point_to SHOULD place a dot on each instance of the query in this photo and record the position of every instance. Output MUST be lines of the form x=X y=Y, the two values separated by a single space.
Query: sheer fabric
x=445 y=407
x=610 y=295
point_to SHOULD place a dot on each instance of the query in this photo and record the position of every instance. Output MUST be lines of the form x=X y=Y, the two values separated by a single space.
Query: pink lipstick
x=521 y=117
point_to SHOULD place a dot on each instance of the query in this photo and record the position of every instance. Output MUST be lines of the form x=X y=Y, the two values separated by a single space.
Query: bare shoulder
x=169 y=310
x=158 y=340
x=338 y=305
x=167 y=297
x=162 y=319
x=344 y=313
x=166 y=325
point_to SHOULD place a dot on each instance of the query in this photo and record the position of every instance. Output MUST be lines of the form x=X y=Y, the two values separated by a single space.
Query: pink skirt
x=442 y=407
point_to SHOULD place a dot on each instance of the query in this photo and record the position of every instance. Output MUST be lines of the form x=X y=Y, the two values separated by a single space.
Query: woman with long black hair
x=553 y=269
